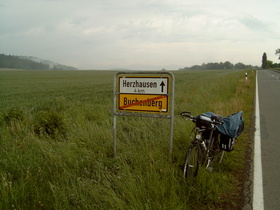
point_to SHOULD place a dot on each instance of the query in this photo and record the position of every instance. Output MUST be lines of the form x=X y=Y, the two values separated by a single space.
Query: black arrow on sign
x=162 y=86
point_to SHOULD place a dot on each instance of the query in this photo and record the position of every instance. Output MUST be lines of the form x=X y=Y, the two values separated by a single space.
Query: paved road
x=269 y=103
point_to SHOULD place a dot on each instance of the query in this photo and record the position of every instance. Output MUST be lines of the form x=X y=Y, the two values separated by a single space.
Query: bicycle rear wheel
x=218 y=153
x=215 y=158
x=191 y=165
x=219 y=157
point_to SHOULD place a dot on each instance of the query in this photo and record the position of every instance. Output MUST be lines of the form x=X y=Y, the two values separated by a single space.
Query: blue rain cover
x=233 y=125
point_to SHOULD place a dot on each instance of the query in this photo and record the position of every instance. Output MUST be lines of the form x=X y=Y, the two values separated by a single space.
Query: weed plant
x=56 y=143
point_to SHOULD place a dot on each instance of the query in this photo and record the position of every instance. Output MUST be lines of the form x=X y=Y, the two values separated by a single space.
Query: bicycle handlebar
x=214 y=120
x=187 y=114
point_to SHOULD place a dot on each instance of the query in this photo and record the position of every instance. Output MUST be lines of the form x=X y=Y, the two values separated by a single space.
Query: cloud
x=109 y=33
x=255 y=25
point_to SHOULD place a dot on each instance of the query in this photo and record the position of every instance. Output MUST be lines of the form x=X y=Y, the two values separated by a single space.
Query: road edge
x=258 y=200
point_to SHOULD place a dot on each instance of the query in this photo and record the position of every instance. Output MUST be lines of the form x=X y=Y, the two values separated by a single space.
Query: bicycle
x=204 y=149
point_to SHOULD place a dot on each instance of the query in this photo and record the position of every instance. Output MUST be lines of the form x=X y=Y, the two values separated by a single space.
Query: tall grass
x=56 y=143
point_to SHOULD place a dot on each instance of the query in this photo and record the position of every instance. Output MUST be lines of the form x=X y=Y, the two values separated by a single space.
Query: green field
x=56 y=143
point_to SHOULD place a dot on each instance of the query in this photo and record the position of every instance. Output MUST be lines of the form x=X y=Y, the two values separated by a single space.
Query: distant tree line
x=221 y=65
x=22 y=62
x=14 y=62
x=269 y=64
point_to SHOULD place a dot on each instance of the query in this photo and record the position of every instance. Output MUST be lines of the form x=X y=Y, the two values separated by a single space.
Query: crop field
x=56 y=143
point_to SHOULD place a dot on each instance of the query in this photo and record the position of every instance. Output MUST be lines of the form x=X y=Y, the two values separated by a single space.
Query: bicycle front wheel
x=191 y=165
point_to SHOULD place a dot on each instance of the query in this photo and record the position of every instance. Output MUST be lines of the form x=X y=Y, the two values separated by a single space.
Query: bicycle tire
x=218 y=153
x=220 y=156
x=215 y=159
x=191 y=164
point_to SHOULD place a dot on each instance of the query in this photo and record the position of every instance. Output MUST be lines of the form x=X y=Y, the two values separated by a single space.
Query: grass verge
x=56 y=143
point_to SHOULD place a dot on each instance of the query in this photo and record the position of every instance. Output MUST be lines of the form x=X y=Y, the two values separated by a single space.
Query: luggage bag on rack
x=231 y=128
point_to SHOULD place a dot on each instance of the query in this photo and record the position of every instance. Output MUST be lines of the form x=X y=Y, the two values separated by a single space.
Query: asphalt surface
x=269 y=103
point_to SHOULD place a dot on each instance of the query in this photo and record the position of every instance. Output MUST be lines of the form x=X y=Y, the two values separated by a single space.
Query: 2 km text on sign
x=148 y=94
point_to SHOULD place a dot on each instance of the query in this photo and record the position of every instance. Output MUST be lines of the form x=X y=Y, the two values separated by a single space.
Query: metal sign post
x=144 y=94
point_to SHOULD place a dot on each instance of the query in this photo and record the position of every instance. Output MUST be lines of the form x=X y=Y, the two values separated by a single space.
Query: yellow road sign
x=147 y=103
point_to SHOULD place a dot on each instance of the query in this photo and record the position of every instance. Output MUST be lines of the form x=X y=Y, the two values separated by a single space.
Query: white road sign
x=144 y=85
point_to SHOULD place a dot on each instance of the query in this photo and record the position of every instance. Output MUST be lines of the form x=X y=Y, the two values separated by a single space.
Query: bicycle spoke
x=191 y=163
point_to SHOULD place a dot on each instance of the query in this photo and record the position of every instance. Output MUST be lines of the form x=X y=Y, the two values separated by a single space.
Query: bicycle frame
x=205 y=145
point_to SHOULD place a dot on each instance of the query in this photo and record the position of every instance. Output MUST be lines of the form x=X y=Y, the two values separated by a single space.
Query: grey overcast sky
x=141 y=34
